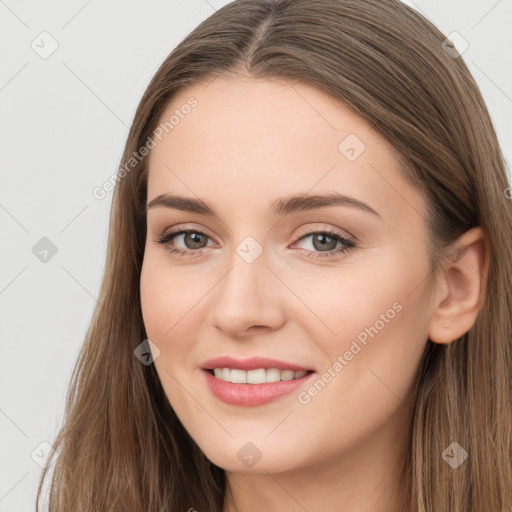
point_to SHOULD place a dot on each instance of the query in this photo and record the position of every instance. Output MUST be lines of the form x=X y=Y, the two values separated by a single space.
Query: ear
x=461 y=287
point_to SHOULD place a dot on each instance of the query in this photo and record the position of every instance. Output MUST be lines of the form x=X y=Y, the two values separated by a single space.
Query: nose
x=247 y=299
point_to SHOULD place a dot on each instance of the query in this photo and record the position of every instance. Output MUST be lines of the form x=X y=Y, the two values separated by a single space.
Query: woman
x=306 y=301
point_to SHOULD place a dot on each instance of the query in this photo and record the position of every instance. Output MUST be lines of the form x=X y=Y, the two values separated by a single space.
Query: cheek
x=166 y=297
x=153 y=300
x=371 y=362
x=347 y=302
x=164 y=305
x=173 y=305
x=375 y=322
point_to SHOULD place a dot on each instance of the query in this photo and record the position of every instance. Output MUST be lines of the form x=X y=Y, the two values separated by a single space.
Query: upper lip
x=252 y=363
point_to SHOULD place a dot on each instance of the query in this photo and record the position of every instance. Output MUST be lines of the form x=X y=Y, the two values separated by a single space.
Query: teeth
x=287 y=375
x=259 y=376
x=273 y=375
x=254 y=376
x=238 y=376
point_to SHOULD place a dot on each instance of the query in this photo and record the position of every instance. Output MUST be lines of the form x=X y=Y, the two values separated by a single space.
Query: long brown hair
x=121 y=446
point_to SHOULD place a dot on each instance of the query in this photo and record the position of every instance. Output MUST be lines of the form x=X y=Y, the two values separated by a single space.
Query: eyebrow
x=279 y=207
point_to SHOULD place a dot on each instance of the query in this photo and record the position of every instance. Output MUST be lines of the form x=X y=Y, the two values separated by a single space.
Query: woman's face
x=339 y=289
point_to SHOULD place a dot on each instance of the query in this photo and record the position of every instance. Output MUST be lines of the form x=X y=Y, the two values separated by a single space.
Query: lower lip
x=252 y=395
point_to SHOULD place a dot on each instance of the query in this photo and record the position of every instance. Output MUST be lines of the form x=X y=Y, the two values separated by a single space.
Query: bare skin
x=245 y=144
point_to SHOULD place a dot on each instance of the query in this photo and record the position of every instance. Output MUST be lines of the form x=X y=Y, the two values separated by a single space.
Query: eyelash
x=348 y=244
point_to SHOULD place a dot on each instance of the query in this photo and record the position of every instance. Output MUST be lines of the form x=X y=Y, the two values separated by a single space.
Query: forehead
x=246 y=141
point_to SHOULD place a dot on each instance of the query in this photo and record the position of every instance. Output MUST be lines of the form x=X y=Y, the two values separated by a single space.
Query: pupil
x=323 y=243
x=196 y=239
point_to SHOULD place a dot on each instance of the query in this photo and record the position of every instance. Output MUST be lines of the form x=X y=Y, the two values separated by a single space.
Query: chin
x=249 y=458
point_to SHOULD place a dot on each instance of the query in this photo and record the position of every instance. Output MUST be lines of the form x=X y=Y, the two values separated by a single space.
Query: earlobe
x=462 y=286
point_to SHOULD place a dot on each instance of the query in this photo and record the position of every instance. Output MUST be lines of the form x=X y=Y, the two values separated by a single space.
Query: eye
x=193 y=237
x=326 y=242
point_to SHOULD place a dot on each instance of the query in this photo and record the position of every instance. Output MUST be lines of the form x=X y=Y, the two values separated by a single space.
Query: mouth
x=252 y=388
x=254 y=381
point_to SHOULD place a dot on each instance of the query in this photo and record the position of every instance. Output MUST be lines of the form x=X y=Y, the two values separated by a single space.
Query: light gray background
x=64 y=121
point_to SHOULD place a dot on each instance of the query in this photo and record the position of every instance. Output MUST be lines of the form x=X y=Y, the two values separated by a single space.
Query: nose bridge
x=248 y=272
x=245 y=297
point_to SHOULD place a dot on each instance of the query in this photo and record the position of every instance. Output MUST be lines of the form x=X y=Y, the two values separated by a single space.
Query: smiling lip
x=252 y=363
x=252 y=395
